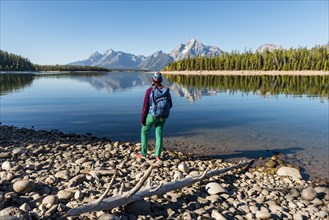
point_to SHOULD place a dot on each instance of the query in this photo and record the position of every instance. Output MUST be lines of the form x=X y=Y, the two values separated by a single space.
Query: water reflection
x=193 y=87
x=190 y=87
x=11 y=83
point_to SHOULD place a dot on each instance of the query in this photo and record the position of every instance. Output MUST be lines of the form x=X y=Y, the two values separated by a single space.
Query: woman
x=156 y=108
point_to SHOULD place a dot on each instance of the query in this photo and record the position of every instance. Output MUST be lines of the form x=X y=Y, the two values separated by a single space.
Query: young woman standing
x=156 y=108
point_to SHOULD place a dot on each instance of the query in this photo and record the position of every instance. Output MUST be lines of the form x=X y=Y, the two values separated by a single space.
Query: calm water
x=231 y=117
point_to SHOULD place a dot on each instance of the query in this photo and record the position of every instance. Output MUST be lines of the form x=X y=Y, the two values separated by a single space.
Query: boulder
x=289 y=171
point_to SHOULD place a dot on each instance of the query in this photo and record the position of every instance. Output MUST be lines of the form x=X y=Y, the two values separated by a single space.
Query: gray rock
x=322 y=214
x=65 y=194
x=78 y=195
x=317 y=201
x=289 y=171
x=183 y=168
x=271 y=163
x=18 y=151
x=263 y=215
x=216 y=215
x=7 y=165
x=25 y=207
x=178 y=175
x=194 y=173
x=297 y=216
x=14 y=212
x=213 y=198
x=49 y=200
x=108 y=217
x=322 y=189
x=215 y=188
x=250 y=216
x=309 y=194
x=23 y=186
x=62 y=175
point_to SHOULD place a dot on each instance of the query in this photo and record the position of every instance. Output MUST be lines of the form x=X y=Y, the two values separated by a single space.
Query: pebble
x=178 y=175
x=23 y=186
x=298 y=216
x=183 y=168
x=49 y=200
x=263 y=215
x=7 y=165
x=309 y=194
x=65 y=194
x=52 y=163
x=215 y=188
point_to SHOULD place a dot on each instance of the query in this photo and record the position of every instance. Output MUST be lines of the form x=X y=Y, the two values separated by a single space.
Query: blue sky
x=60 y=32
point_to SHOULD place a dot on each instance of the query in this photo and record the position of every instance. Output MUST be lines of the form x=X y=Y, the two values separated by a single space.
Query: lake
x=229 y=117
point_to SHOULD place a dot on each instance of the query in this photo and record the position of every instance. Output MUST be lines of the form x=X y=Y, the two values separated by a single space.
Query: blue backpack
x=159 y=102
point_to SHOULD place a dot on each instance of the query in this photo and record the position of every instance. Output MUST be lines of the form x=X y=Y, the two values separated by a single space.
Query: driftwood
x=137 y=193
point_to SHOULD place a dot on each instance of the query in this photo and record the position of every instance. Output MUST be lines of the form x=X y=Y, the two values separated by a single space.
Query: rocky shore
x=44 y=174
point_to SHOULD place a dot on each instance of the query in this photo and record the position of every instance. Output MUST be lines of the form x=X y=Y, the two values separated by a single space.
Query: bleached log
x=106 y=191
x=124 y=199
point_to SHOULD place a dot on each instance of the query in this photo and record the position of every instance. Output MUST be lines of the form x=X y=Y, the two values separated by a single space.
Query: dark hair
x=156 y=84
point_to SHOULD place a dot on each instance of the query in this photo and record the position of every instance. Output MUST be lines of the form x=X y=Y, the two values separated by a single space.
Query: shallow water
x=229 y=117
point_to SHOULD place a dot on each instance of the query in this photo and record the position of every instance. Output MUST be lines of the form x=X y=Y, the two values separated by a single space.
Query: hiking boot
x=139 y=155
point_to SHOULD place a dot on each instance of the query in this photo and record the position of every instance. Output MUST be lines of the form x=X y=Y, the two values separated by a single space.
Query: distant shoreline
x=52 y=72
x=249 y=73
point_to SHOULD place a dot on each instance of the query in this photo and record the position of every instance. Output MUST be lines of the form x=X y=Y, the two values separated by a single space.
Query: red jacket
x=146 y=105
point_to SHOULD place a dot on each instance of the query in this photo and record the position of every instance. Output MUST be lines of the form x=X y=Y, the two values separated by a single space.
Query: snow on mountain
x=270 y=47
x=194 y=48
x=112 y=59
x=156 y=61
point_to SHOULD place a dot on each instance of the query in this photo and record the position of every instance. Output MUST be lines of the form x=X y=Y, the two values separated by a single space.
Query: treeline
x=68 y=68
x=262 y=85
x=13 y=62
x=316 y=58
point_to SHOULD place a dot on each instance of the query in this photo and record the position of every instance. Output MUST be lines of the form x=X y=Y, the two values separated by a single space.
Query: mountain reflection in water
x=191 y=87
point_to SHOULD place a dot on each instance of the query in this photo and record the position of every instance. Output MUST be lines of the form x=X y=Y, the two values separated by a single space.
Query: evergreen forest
x=316 y=58
x=13 y=62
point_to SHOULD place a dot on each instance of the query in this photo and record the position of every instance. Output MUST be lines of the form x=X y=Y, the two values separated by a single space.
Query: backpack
x=160 y=102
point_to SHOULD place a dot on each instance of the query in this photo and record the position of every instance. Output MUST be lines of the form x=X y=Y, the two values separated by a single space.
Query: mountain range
x=156 y=61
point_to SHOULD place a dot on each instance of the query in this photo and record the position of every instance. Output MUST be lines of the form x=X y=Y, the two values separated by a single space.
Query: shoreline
x=50 y=169
x=249 y=73
x=51 y=72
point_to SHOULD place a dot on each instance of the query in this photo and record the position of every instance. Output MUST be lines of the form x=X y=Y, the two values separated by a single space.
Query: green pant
x=158 y=123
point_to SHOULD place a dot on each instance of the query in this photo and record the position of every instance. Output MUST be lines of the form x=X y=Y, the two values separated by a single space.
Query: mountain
x=112 y=59
x=194 y=48
x=270 y=47
x=156 y=61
